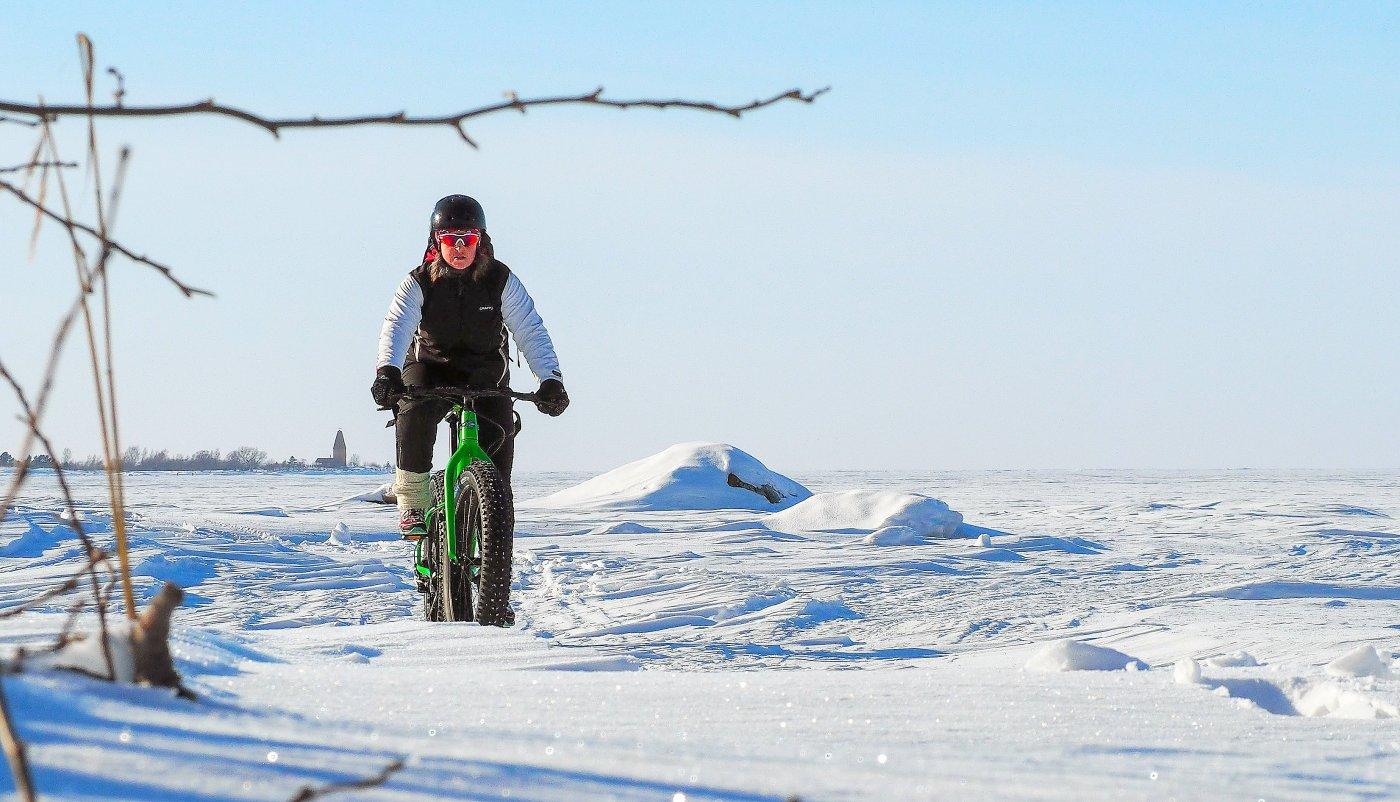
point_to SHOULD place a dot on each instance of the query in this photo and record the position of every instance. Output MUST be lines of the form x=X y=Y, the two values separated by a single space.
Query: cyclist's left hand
x=553 y=400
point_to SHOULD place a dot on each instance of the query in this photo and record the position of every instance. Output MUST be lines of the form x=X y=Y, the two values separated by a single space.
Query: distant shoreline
x=363 y=469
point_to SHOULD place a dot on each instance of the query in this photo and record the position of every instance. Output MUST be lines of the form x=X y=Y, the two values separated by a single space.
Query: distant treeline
x=246 y=458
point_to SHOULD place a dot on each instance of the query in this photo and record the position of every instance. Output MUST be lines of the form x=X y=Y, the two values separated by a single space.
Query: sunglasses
x=458 y=239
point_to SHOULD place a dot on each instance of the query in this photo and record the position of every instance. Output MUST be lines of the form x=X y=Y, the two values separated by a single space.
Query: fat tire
x=482 y=487
x=434 y=608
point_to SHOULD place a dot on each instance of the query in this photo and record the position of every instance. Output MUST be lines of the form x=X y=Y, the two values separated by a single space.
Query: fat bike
x=463 y=566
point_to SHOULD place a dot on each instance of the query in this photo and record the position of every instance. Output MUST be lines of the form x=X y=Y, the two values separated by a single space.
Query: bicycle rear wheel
x=486 y=518
x=447 y=593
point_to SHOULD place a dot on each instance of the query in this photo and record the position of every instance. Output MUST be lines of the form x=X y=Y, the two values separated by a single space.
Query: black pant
x=418 y=419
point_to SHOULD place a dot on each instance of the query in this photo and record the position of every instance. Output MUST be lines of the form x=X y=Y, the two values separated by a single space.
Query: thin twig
x=275 y=125
x=83 y=272
x=93 y=552
x=309 y=792
x=14 y=750
x=106 y=402
x=18 y=121
x=120 y=92
x=73 y=225
x=58 y=590
x=65 y=635
x=19 y=168
x=114 y=463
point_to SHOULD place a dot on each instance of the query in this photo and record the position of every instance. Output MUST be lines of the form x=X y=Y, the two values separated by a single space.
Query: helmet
x=457 y=211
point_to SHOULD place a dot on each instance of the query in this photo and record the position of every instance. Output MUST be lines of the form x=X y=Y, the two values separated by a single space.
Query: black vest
x=462 y=330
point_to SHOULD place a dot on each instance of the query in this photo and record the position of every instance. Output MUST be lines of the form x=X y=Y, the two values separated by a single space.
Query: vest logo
x=485 y=308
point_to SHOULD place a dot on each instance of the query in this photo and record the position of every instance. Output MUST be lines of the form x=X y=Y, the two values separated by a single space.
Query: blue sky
x=1013 y=235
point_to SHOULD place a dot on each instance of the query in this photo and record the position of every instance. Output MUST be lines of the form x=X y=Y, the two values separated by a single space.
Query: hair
x=484 y=264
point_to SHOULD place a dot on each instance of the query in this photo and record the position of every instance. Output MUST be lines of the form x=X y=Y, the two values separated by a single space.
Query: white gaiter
x=411 y=489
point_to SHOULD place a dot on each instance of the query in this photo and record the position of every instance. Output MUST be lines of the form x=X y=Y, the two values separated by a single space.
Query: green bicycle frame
x=466 y=449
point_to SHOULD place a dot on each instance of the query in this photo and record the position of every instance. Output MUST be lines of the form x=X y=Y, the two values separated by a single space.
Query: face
x=458 y=248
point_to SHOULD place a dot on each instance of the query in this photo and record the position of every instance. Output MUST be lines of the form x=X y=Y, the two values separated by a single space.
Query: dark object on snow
x=308 y=792
x=150 y=641
x=766 y=490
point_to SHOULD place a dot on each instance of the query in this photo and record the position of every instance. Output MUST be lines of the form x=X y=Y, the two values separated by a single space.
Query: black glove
x=552 y=398
x=387 y=387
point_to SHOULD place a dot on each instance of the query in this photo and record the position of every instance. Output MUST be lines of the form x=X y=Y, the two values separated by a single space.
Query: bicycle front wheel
x=486 y=537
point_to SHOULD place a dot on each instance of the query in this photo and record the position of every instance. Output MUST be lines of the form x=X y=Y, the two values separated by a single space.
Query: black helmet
x=457 y=211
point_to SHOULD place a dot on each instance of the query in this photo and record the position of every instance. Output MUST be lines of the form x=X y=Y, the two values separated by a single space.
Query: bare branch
x=275 y=125
x=95 y=555
x=308 y=792
x=35 y=165
x=120 y=92
x=15 y=751
x=63 y=587
x=18 y=121
x=73 y=225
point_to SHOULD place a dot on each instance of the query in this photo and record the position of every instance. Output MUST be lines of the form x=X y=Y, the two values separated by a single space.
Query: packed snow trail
x=686 y=651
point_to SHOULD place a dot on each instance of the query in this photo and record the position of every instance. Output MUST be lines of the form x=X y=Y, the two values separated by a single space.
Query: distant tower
x=338 y=450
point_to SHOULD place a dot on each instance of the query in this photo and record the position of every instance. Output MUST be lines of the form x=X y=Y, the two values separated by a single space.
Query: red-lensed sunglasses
x=458 y=239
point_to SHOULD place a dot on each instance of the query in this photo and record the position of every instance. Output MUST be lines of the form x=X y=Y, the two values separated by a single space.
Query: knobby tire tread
x=491 y=602
x=433 y=601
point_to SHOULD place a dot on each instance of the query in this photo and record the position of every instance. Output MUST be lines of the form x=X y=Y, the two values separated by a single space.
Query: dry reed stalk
x=15 y=751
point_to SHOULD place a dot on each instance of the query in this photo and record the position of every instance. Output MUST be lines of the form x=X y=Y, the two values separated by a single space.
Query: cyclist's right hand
x=388 y=386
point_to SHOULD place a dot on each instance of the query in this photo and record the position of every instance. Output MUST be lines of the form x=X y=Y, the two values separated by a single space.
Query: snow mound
x=384 y=494
x=893 y=536
x=271 y=512
x=868 y=510
x=1234 y=660
x=1363 y=661
x=1073 y=655
x=623 y=528
x=340 y=534
x=85 y=653
x=1334 y=701
x=686 y=476
x=1187 y=672
x=34 y=541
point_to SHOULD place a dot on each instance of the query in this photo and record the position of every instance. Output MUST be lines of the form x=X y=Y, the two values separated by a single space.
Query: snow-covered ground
x=877 y=645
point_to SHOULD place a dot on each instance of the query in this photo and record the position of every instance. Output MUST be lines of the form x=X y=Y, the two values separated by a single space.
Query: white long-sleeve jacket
x=517 y=310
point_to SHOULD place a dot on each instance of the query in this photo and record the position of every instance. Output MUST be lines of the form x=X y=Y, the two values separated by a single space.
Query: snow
x=383 y=494
x=1233 y=660
x=35 y=540
x=1363 y=661
x=714 y=654
x=1186 y=671
x=869 y=510
x=1073 y=655
x=893 y=536
x=686 y=476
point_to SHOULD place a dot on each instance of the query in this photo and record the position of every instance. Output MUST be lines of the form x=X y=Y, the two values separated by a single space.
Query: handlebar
x=467 y=393
x=458 y=395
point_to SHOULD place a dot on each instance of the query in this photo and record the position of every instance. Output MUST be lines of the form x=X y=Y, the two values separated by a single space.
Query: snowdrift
x=1363 y=661
x=1073 y=655
x=907 y=515
x=384 y=494
x=686 y=476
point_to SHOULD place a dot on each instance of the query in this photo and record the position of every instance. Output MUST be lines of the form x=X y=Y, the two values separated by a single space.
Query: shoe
x=412 y=526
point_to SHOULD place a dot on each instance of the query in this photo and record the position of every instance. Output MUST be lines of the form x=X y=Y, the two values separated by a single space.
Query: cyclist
x=447 y=326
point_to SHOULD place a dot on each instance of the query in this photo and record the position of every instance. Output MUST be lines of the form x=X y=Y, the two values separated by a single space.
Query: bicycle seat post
x=454 y=418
